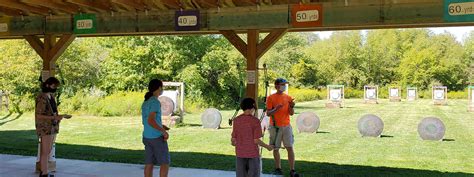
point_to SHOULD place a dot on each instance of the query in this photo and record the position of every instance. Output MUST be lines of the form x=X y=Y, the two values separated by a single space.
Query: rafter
x=130 y=4
x=26 y=9
x=98 y=5
x=10 y=12
x=53 y=5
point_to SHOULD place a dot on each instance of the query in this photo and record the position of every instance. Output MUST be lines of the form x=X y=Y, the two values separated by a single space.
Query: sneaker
x=278 y=171
x=294 y=174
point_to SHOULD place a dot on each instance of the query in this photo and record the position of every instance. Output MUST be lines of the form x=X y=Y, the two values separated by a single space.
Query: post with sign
x=303 y=15
x=470 y=91
x=85 y=24
x=187 y=20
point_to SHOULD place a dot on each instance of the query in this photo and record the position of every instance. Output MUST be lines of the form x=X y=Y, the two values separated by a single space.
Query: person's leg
x=46 y=143
x=164 y=168
x=254 y=167
x=240 y=170
x=148 y=170
x=276 y=156
x=291 y=158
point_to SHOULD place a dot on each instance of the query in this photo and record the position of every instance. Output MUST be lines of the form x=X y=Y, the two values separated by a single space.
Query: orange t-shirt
x=282 y=116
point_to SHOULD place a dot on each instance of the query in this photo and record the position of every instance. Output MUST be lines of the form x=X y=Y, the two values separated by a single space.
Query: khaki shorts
x=283 y=134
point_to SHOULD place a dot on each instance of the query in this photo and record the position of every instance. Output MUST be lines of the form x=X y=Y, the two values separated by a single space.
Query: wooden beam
x=35 y=43
x=11 y=12
x=269 y=40
x=59 y=48
x=207 y=3
x=252 y=62
x=23 y=7
x=171 y=4
x=130 y=4
x=91 y=4
x=53 y=6
x=236 y=41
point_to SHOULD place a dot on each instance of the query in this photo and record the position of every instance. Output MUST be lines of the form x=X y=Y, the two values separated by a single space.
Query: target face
x=370 y=125
x=167 y=105
x=439 y=94
x=411 y=93
x=431 y=128
x=211 y=118
x=173 y=94
x=370 y=93
x=394 y=92
x=307 y=122
x=335 y=94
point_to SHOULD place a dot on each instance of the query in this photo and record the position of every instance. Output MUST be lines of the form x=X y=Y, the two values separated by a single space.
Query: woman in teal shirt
x=154 y=134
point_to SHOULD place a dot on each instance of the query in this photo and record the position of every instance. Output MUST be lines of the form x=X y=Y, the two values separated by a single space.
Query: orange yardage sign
x=307 y=15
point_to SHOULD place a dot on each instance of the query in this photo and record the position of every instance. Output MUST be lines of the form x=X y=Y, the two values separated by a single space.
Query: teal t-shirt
x=151 y=105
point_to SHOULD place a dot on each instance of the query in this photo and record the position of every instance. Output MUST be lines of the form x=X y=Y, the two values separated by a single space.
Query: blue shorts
x=156 y=151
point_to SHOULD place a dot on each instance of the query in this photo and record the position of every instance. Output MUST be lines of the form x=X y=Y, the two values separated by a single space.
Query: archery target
x=370 y=93
x=370 y=125
x=167 y=105
x=431 y=128
x=439 y=94
x=394 y=92
x=411 y=93
x=173 y=94
x=211 y=118
x=335 y=94
x=307 y=122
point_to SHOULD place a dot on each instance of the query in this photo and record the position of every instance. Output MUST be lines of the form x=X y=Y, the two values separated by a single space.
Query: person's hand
x=58 y=117
x=292 y=103
x=278 y=107
x=233 y=141
x=166 y=127
x=165 y=136
x=270 y=147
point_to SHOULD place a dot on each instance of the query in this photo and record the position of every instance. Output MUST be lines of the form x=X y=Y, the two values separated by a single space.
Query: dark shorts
x=156 y=151
x=247 y=167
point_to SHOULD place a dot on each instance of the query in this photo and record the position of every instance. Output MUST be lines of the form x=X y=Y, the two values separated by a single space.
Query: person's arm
x=257 y=134
x=233 y=139
x=259 y=142
x=291 y=107
x=272 y=112
x=151 y=120
x=40 y=110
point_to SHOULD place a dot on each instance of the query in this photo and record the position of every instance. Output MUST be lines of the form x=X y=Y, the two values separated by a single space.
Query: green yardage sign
x=459 y=10
x=85 y=23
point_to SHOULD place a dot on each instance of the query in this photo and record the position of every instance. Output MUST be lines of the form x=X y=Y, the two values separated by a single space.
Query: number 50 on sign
x=307 y=15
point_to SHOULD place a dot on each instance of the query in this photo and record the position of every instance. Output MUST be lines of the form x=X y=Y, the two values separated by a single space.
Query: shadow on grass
x=448 y=140
x=322 y=132
x=6 y=121
x=25 y=141
x=386 y=136
x=8 y=115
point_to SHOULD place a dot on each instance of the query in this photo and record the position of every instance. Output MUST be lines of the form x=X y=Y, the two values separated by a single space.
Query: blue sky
x=459 y=32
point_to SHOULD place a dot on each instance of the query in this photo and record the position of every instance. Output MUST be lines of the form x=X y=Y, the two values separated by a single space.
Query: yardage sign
x=85 y=23
x=459 y=10
x=187 y=20
x=307 y=15
x=4 y=25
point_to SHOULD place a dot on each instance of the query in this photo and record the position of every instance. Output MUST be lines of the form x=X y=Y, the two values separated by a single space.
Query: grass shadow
x=25 y=141
x=386 y=136
x=448 y=139
x=8 y=115
x=6 y=121
x=322 y=132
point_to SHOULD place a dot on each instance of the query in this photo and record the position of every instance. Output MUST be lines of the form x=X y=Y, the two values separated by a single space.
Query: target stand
x=371 y=95
x=470 y=91
x=394 y=94
x=172 y=103
x=4 y=100
x=440 y=95
x=335 y=96
x=412 y=93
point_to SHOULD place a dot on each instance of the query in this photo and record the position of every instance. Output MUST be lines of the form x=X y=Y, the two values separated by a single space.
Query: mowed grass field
x=337 y=150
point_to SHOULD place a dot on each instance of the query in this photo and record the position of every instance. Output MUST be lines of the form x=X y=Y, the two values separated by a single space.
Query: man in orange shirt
x=280 y=107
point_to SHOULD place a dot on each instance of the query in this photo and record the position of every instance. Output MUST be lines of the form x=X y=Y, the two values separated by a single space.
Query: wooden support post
x=252 y=51
x=50 y=49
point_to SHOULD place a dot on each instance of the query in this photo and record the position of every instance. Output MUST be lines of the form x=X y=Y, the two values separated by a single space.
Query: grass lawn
x=338 y=150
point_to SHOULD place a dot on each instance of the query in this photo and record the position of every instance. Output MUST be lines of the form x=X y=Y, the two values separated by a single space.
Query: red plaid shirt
x=246 y=128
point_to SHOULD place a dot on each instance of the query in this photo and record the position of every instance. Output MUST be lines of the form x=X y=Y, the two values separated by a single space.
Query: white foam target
x=211 y=118
x=167 y=105
x=439 y=94
x=173 y=94
x=411 y=93
x=307 y=122
x=394 y=92
x=370 y=93
x=370 y=125
x=335 y=94
x=431 y=128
